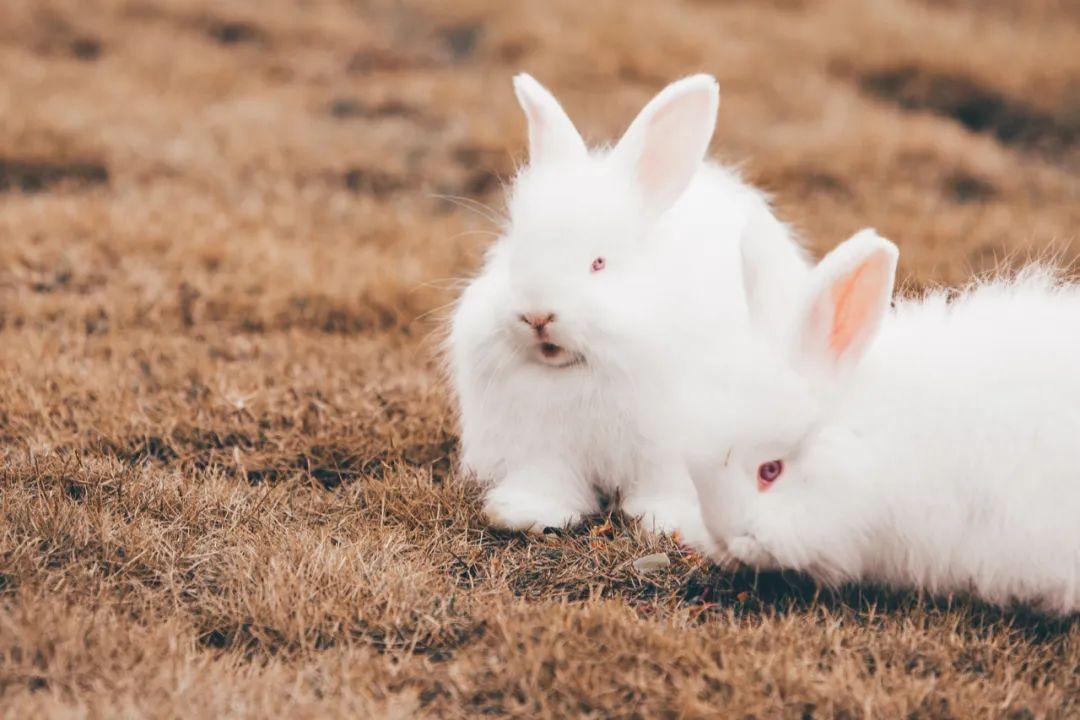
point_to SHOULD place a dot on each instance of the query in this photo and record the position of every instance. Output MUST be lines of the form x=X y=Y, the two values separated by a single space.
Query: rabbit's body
x=553 y=408
x=969 y=413
x=947 y=459
x=572 y=429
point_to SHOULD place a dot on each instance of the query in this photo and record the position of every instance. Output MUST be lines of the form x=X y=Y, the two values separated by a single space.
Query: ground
x=228 y=233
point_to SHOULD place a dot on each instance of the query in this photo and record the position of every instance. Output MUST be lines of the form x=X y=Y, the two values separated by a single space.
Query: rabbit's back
x=972 y=404
x=999 y=358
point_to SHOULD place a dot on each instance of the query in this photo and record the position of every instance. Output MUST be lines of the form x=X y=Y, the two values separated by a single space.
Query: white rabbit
x=936 y=445
x=618 y=269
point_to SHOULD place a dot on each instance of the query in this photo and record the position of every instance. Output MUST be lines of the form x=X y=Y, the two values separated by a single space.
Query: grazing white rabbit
x=618 y=269
x=935 y=445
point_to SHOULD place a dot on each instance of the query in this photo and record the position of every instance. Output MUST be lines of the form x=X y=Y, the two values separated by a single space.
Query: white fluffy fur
x=948 y=458
x=544 y=438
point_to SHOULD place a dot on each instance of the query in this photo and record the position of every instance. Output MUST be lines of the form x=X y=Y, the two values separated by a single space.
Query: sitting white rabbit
x=618 y=269
x=936 y=445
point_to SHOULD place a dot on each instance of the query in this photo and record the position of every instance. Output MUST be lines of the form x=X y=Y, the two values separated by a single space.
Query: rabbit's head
x=777 y=476
x=571 y=279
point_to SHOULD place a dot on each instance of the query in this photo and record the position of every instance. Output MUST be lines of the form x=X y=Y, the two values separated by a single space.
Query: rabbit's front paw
x=670 y=515
x=515 y=508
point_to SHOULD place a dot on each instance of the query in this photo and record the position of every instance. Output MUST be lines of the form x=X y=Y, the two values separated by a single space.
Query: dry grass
x=227 y=484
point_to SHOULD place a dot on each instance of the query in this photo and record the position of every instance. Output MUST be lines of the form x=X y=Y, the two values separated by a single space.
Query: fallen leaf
x=652 y=563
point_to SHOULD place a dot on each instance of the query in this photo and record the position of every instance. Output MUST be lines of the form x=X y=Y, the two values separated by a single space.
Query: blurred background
x=279 y=163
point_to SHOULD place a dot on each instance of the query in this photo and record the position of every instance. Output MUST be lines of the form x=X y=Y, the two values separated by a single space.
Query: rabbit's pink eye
x=768 y=472
x=598 y=264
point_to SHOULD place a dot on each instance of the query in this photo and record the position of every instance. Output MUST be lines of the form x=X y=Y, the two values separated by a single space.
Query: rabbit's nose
x=538 y=321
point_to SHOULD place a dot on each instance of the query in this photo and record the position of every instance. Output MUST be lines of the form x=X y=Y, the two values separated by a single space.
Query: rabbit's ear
x=850 y=292
x=551 y=134
x=668 y=139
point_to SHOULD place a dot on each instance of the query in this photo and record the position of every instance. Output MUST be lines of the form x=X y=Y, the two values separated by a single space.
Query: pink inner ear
x=855 y=301
x=657 y=162
x=535 y=119
x=667 y=162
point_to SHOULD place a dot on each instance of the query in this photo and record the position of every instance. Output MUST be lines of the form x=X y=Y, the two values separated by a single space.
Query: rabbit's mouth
x=749 y=551
x=552 y=355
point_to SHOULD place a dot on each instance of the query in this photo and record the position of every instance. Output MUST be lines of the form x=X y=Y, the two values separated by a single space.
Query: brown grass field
x=228 y=231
